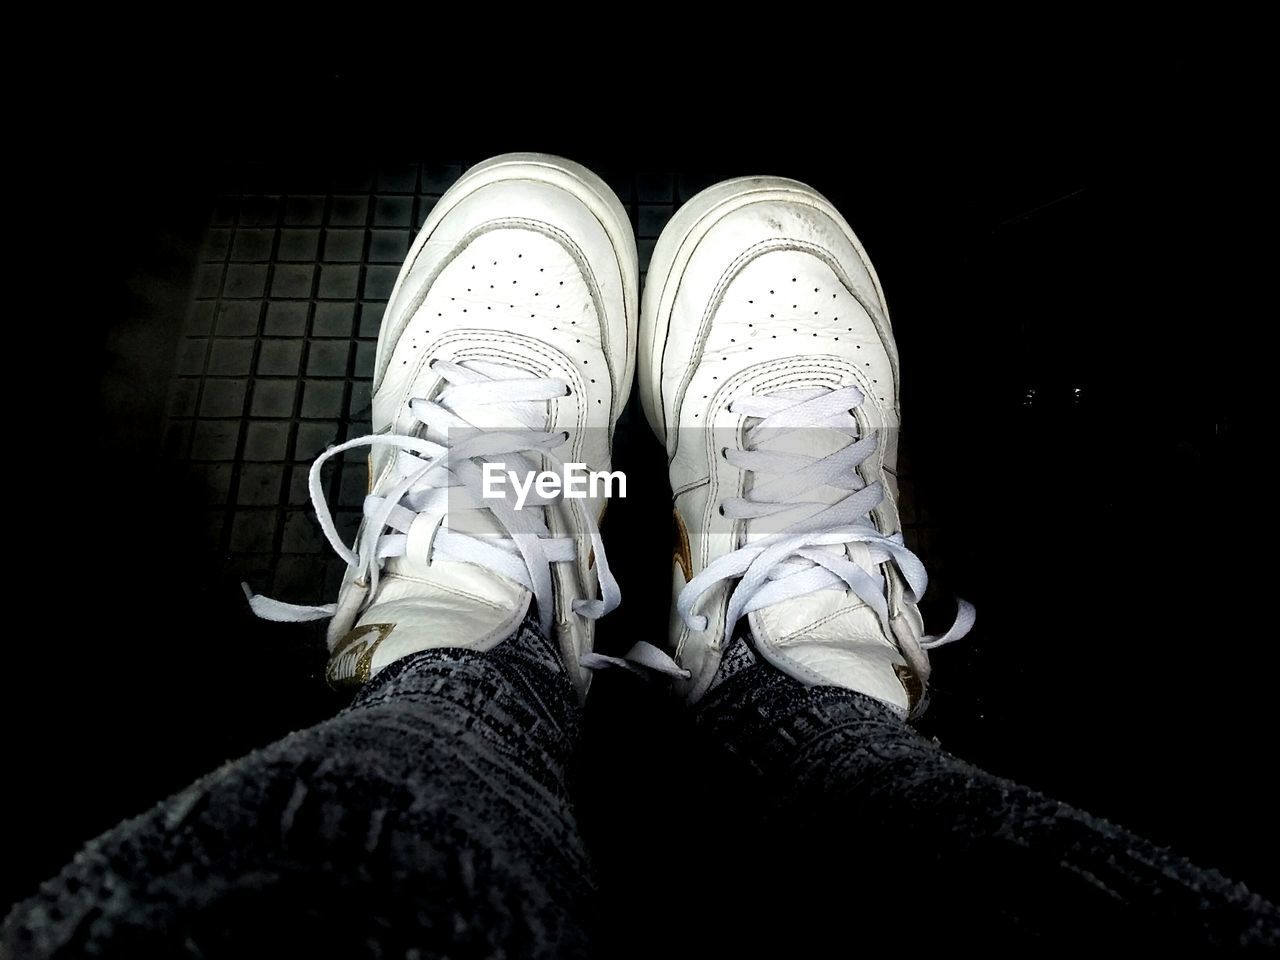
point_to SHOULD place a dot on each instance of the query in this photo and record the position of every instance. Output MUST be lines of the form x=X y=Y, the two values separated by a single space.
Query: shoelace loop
x=433 y=474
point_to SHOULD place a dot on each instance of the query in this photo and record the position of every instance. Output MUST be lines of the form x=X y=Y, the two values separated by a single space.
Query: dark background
x=1070 y=292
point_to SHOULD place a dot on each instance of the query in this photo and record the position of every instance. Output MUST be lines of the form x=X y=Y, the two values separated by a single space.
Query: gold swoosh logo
x=680 y=547
x=911 y=683
x=352 y=656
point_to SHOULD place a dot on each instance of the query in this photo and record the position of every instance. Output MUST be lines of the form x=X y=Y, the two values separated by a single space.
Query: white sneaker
x=514 y=313
x=768 y=368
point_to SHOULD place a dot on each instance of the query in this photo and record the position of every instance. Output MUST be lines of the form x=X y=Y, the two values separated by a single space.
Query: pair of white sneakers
x=766 y=365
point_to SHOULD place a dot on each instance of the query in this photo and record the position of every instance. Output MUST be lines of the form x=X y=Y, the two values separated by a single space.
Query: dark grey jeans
x=432 y=817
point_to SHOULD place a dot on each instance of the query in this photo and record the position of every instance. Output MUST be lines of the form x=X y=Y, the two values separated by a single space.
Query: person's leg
x=770 y=373
x=938 y=849
x=431 y=815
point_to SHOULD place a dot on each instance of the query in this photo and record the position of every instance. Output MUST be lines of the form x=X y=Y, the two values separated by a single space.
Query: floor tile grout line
x=346 y=421
x=333 y=485
x=246 y=422
x=209 y=340
x=296 y=420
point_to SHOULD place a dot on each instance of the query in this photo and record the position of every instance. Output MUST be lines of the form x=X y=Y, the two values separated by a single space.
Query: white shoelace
x=434 y=476
x=792 y=562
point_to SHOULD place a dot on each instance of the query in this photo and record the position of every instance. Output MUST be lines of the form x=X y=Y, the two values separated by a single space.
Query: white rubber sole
x=676 y=245
x=587 y=187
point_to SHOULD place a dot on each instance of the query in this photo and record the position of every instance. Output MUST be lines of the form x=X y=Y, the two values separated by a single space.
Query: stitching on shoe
x=490 y=226
x=756 y=250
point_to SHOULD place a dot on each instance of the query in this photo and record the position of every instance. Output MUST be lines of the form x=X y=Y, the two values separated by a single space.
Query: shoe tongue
x=832 y=634
x=810 y=443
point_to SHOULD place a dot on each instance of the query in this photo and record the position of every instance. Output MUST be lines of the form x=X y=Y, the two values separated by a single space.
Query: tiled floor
x=278 y=352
